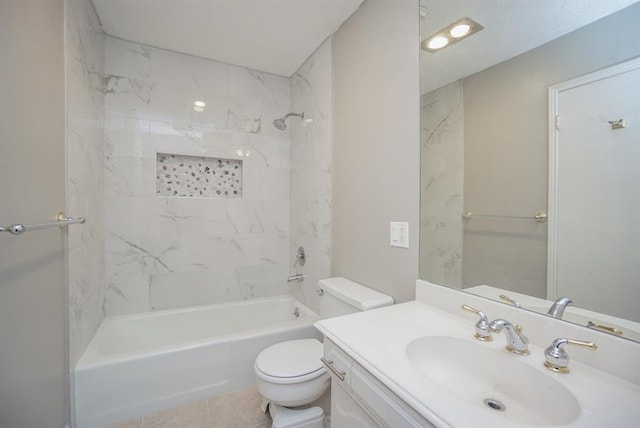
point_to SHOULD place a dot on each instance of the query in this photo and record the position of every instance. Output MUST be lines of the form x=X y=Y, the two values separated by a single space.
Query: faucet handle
x=482 y=326
x=557 y=359
x=301 y=258
x=509 y=300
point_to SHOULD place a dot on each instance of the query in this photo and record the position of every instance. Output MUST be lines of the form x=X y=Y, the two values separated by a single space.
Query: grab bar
x=62 y=220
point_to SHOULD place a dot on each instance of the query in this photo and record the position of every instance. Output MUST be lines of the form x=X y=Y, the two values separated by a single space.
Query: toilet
x=290 y=375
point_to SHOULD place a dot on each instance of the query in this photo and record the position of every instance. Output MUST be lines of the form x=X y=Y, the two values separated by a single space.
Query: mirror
x=486 y=221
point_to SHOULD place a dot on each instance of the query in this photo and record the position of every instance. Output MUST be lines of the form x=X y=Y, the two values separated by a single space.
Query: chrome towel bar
x=540 y=216
x=62 y=220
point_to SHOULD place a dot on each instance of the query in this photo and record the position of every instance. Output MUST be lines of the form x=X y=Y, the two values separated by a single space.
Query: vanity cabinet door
x=382 y=402
x=345 y=412
x=338 y=362
x=359 y=399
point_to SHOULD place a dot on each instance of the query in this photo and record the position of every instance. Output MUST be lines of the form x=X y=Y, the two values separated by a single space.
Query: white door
x=598 y=195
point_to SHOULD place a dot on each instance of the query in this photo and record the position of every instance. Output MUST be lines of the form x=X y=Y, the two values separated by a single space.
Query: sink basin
x=494 y=380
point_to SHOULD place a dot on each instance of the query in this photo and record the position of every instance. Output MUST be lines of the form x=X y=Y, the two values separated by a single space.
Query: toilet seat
x=293 y=361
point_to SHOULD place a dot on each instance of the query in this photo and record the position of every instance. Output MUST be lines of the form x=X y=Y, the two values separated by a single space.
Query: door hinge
x=557 y=121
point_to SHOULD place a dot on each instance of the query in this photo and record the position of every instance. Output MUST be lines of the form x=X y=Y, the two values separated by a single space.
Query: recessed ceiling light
x=200 y=104
x=437 y=42
x=460 y=30
x=452 y=33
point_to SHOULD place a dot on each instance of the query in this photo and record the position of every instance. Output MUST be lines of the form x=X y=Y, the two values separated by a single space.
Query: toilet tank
x=342 y=296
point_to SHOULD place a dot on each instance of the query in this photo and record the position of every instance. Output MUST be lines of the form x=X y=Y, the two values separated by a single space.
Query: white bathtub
x=138 y=364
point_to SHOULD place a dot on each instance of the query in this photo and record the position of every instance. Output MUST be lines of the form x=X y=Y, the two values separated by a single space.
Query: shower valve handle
x=301 y=258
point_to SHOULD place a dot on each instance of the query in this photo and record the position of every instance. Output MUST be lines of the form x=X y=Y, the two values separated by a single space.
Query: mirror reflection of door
x=597 y=224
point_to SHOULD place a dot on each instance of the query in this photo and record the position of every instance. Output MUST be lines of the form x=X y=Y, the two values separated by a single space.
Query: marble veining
x=84 y=63
x=310 y=218
x=442 y=163
x=123 y=85
x=164 y=249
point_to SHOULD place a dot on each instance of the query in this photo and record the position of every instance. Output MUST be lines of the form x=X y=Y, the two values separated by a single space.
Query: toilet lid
x=293 y=358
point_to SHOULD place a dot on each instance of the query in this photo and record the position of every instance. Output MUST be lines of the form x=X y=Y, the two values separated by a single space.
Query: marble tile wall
x=311 y=160
x=441 y=185
x=165 y=252
x=85 y=176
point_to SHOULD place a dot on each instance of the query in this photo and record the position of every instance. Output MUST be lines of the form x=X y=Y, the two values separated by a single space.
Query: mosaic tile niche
x=198 y=177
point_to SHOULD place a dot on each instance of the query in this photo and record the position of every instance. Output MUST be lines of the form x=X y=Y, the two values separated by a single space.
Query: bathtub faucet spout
x=296 y=278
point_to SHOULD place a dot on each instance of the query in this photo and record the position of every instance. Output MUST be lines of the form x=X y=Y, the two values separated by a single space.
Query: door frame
x=555 y=123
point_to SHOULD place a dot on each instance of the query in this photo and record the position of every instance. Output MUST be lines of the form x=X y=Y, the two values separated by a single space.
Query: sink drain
x=494 y=404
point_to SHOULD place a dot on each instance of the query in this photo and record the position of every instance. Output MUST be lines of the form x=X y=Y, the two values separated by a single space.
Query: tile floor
x=240 y=409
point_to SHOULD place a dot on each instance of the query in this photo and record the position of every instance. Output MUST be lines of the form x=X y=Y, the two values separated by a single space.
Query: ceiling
x=511 y=27
x=275 y=36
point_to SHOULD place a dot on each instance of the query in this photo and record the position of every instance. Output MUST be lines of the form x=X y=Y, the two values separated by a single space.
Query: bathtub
x=139 y=364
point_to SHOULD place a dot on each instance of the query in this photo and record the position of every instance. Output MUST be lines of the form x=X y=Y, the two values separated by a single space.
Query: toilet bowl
x=290 y=375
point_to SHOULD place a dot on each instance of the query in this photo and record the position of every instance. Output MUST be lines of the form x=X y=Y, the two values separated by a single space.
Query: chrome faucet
x=557 y=359
x=296 y=278
x=482 y=326
x=516 y=341
x=557 y=309
x=509 y=300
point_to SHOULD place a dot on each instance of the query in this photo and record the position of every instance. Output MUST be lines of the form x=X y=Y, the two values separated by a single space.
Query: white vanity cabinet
x=414 y=364
x=359 y=399
x=345 y=411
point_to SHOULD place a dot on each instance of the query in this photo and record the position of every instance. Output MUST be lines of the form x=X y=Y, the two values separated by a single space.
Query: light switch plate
x=399 y=234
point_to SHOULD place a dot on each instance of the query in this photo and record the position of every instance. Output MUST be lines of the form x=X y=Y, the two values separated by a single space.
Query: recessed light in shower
x=199 y=106
x=450 y=34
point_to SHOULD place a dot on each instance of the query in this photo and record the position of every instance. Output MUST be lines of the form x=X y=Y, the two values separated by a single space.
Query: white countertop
x=377 y=340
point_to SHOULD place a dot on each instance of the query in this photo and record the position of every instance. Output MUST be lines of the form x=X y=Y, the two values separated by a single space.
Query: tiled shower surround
x=85 y=173
x=310 y=215
x=441 y=183
x=166 y=251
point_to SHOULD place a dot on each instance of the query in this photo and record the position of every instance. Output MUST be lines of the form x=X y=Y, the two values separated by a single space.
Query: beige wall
x=33 y=388
x=376 y=145
x=506 y=148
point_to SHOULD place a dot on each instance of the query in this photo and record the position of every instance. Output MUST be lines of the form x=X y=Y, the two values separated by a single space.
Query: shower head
x=281 y=122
